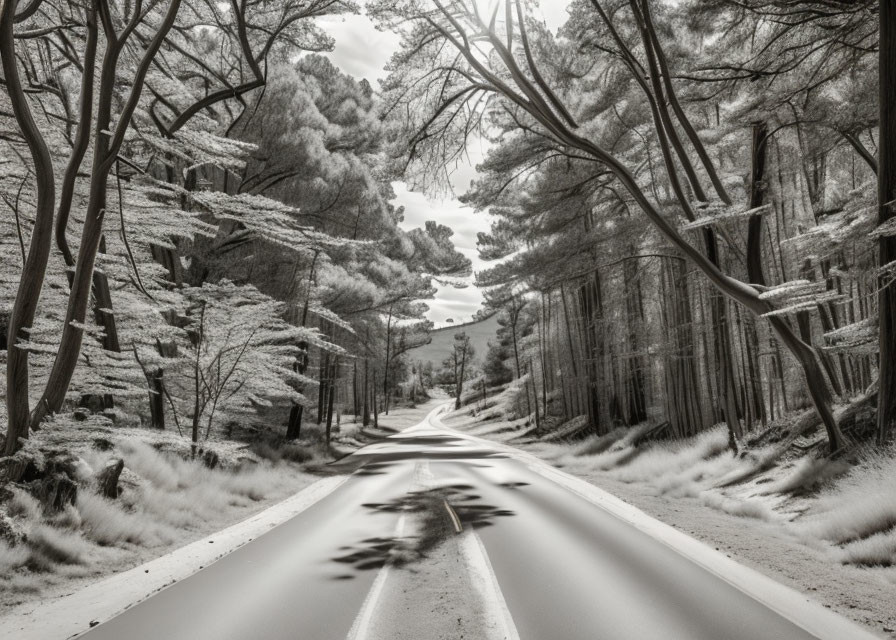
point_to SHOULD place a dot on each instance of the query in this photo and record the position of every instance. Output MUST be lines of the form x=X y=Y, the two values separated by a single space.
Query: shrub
x=106 y=523
x=11 y=557
x=51 y=546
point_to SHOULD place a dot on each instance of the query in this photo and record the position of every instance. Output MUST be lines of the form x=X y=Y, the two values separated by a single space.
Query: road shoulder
x=73 y=614
x=765 y=582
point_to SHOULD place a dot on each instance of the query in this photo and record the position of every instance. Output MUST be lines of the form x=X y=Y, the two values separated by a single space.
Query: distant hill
x=480 y=333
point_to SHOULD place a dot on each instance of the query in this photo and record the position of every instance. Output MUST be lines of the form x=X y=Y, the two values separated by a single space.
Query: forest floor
x=826 y=530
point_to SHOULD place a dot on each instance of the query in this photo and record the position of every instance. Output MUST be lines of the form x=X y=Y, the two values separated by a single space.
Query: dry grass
x=167 y=500
x=290 y=451
x=808 y=474
x=878 y=550
x=598 y=444
x=12 y=557
x=672 y=458
x=184 y=493
x=49 y=546
x=733 y=506
x=692 y=481
x=23 y=506
x=859 y=514
x=106 y=523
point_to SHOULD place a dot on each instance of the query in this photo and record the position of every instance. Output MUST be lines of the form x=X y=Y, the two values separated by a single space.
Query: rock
x=101 y=444
x=107 y=478
x=17 y=467
x=55 y=484
x=54 y=491
x=210 y=459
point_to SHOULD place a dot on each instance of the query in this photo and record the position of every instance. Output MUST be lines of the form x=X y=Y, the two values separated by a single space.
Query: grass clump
x=861 y=508
x=283 y=451
x=12 y=557
x=598 y=444
x=878 y=550
x=808 y=474
x=670 y=458
x=50 y=546
x=735 y=507
x=106 y=523
x=23 y=505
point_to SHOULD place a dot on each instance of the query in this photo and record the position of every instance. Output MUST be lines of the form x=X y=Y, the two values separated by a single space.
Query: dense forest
x=692 y=204
x=198 y=229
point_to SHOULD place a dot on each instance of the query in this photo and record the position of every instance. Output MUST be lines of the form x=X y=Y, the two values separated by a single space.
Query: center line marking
x=458 y=527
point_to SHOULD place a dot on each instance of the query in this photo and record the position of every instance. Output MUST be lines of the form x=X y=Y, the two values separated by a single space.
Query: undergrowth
x=165 y=499
x=858 y=514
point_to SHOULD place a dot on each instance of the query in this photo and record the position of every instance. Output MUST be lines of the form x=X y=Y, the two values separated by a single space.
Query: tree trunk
x=574 y=401
x=324 y=368
x=386 y=367
x=356 y=408
x=105 y=153
x=366 y=419
x=682 y=382
x=105 y=319
x=107 y=478
x=460 y=378
x=376 y=413
x=22 y=316
x=535 y=396
x=634 y=309
x=331 y=393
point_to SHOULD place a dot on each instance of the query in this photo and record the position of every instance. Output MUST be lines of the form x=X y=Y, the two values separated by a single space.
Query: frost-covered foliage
x=248 y=234
x=859 y=513
x=236 y=356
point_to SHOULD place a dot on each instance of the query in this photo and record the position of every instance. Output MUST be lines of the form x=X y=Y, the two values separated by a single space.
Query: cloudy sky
x=363 y=51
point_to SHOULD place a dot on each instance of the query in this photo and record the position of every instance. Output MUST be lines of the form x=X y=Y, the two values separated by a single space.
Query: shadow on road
x=376 y=459
x=434 y=525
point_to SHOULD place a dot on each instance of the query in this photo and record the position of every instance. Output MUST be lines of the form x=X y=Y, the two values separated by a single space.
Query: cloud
x=449 y=302
x=360 y=49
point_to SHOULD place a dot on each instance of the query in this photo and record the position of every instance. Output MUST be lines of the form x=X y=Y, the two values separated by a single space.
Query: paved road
x=567 y=569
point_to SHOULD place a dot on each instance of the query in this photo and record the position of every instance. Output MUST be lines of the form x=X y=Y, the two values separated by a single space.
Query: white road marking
x=458 y=527
x=361 y=626
x=785 y=601
x=483 y=577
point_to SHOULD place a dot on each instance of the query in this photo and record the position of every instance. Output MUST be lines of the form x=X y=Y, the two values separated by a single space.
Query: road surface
x=565 y=568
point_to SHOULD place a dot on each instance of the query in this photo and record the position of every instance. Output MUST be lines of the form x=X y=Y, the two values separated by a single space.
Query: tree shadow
x=434 y=526
x=369 y=461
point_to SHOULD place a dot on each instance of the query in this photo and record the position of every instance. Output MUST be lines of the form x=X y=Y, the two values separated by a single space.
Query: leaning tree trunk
x=563 y=128
x=105 y=154
x=105 y=319
x=886 y=398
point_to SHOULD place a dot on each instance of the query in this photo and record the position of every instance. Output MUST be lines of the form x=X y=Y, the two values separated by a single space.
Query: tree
x=886 y=405
x=457 y=366
x=478 y=63
x=117 y=31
